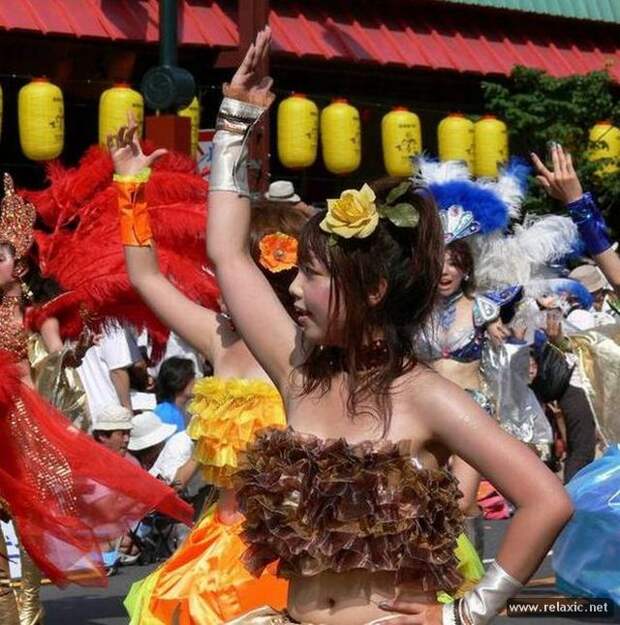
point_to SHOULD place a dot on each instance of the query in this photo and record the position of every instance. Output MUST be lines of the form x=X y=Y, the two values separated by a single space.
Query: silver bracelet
x=450 y=613
x=488 y=597
x=235 y=121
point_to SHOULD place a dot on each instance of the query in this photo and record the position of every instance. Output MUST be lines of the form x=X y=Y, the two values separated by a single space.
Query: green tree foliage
x=539 y=108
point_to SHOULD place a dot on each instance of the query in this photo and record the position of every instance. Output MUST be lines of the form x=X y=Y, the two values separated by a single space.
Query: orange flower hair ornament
x=278 y=252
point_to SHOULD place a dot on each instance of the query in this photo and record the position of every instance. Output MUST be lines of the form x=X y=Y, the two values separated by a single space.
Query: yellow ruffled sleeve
x=226 y=415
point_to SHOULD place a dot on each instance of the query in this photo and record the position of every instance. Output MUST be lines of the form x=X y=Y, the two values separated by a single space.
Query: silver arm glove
x=485 y=601
x=235 y=121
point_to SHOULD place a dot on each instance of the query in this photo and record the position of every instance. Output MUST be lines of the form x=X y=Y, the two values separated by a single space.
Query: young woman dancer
x=204 y=581
x=354 y=498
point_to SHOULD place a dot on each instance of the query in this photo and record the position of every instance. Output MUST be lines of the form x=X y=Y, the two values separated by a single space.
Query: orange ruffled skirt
x=204 y=582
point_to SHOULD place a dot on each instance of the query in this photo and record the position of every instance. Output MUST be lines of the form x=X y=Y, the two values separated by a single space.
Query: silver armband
x=234 y=124
x=485 y=601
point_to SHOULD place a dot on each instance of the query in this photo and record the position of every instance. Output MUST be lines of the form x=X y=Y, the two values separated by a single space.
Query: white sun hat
x=282 y=191
x=113 y=417
x=149 y=430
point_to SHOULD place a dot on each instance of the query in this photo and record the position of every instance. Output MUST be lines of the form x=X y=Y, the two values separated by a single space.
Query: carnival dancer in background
x=80 y=213
x=205 y=581
x=64 y=492
x=466 y=316
x=354 y=498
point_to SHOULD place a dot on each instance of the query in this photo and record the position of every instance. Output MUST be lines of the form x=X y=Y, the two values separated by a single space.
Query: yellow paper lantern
x=193 y=112
x=609 y=134
x=41 y=120
x=114 y=104
x=341 y=137
x=298 y=131
x=401 y=138
x=455 y=135
x=490 y=146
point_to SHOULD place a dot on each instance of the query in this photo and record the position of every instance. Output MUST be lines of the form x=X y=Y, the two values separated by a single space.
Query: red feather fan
x=84 y=252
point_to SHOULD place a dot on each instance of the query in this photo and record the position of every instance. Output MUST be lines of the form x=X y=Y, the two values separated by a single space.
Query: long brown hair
x=408 y=262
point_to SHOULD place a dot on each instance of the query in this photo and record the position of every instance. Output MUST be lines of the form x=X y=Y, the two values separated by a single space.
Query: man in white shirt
x=104 y=371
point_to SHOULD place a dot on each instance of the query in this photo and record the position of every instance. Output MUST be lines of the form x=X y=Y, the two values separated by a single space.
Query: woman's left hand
x=126 y=152
x=410 y=613
x=247 y=84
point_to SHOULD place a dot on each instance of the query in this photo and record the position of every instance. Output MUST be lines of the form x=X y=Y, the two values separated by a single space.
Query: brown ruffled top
x=328 y=505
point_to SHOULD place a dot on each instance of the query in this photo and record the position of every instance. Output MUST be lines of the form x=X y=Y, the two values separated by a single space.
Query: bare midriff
x=350 y=598
x=465 y=374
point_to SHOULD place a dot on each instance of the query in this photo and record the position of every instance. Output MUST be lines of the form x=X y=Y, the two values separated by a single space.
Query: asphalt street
x=89 y=606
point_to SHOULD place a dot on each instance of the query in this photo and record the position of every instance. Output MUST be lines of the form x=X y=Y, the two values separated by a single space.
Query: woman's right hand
x=246 y=85
x=125 y=150
x=561 y=183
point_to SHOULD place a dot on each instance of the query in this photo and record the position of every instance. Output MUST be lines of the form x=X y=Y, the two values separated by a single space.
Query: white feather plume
x=431 y=171
x=509 y=190
x=524 y=256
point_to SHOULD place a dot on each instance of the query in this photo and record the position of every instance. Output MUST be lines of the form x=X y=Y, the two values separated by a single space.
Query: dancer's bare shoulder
x=438 y=402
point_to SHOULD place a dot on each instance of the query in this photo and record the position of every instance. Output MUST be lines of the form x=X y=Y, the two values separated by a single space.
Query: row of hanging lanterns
x=483 y=145
x=41 y=117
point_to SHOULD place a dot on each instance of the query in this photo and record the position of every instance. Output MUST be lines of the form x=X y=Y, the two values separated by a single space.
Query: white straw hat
x=113 y=417
x=591 y=277
x=282 y=191
x=149 y=430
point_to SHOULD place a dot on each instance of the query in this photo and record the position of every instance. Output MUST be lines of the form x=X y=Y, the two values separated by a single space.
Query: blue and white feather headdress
x=488 y=213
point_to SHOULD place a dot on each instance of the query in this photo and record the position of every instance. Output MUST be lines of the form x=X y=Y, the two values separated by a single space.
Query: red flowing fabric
x=67 y=493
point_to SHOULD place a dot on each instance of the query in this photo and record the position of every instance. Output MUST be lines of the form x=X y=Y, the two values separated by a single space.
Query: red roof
x=431 y=36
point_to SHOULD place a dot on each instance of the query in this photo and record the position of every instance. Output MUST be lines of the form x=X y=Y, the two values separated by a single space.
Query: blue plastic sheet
x=586 y=555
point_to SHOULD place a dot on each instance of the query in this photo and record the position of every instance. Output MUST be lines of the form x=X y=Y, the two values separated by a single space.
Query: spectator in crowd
x=114 y=428
x=573 y=402
x=176 y=346
x=600 y=313
x=148 y=436
x=105 y=370
x=284 y=191
x=174 y=390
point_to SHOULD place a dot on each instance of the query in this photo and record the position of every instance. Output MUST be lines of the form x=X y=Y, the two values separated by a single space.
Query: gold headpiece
x=16 y=219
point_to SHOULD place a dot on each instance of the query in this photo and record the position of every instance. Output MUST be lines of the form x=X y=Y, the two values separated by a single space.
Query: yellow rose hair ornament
x=278 y=252
x=355 y=214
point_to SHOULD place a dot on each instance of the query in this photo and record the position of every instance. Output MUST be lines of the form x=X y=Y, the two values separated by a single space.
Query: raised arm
x=257 y=313
x=195 y=324
x=563 y=184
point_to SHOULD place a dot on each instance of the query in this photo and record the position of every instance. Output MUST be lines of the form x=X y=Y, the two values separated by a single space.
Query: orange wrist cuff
x=134 y=215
